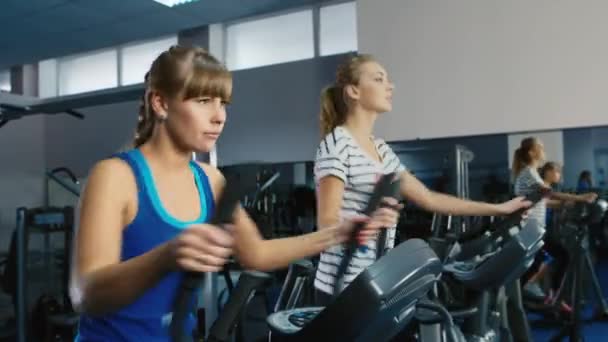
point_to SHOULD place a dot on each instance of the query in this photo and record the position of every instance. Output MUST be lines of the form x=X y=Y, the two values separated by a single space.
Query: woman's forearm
x=554 y=204
x=450 y=205
x=114 y=286
x=279 y=253
x=418 y=193
x=562 y=196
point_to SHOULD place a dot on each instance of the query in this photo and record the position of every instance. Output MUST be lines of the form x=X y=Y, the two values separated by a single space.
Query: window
x=338 y=29
x=47 y=78
x=5 y=80
x=267 y=41
x=136 y=59
x=93 y=71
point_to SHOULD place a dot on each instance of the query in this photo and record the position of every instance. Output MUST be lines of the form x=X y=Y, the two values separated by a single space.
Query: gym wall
x=78 y=144
x=488 y=66
x=600 y=137
x=578 y=154
x=276 y=108
x=580 y=147
x=21 y=167
x=427 y=158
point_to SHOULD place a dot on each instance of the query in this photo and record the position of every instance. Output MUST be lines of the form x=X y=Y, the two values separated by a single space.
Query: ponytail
x=145 y=120
x=518 y=163
x=333 y=109
x=521 y=157
x=145 y=124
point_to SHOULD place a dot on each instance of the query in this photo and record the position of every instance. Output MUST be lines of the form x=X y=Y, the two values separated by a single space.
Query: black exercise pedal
x=384 y=188
x=300 y=319
x=224 y=211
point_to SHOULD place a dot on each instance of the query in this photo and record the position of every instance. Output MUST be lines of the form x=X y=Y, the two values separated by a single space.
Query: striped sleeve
x=527 y=181
x=331 y=159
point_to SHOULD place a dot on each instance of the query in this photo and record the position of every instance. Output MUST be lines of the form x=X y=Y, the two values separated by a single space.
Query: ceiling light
x=171 y=3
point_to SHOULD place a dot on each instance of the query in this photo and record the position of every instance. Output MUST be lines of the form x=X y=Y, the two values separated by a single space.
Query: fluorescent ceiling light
x=171 y=3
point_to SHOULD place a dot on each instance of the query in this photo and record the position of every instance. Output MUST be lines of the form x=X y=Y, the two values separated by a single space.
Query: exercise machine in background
x=42 y=310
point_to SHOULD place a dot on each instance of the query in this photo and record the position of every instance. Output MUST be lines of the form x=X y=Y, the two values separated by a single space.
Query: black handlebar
x=224 y=212
x=500 y=227
x=384 y=188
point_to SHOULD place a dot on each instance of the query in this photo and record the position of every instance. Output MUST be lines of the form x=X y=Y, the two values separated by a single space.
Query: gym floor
x=256 y=326
x=593 y=331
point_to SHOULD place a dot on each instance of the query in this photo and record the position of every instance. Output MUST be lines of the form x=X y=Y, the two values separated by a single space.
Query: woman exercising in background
x=526 y=161
x=554 y=255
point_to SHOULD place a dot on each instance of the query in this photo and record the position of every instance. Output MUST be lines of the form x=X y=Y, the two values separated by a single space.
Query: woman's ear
x=159 y=105
x=352 y=92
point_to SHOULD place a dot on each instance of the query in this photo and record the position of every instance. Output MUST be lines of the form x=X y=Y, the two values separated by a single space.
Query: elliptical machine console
x=480 y=262
x=381 y=300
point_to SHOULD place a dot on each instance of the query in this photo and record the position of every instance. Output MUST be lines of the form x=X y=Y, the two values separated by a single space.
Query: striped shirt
x=527 y=181
x=339 y=155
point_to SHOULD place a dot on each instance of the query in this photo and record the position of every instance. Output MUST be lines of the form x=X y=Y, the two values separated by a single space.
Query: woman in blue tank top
x=143 y=213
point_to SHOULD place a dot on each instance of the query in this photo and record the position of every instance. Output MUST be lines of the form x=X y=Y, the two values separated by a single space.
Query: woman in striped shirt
x=350 y=159
x=526 y=161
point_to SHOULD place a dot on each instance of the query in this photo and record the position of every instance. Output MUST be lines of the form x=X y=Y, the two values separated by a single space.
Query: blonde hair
x=333 y=103
x=521 y=157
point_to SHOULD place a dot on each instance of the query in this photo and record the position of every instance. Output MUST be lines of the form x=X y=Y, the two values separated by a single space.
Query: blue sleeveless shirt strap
x=148 y=317
x=141 y=186
x=205 y=188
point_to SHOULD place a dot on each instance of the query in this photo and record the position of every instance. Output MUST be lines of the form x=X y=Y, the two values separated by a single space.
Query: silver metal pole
x=21 y=290
x=209 y=295
x=457 y=166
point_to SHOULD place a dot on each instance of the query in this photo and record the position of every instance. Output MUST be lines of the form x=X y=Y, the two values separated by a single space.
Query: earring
x=162 y=117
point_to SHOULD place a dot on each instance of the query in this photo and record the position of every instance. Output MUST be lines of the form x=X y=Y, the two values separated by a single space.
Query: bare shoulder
x=111 y=180
x=111 y=171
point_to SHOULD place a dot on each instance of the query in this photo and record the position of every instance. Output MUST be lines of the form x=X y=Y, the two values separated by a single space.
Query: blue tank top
x=149 y=317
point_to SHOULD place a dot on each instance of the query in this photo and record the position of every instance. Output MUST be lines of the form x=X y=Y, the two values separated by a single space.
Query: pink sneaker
x=565 y=307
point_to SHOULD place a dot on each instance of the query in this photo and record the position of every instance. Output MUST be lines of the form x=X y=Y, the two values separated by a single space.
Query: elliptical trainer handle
x=191 y=281
x=393 y=190
x=516 y=217
x=382 y=189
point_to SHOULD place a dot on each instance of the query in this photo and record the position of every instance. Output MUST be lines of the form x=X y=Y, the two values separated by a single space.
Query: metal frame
x=459 y=158
x=21 y=289
x=209 y=293
x=462 y=158
x=10 y=86
x=25 y=221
